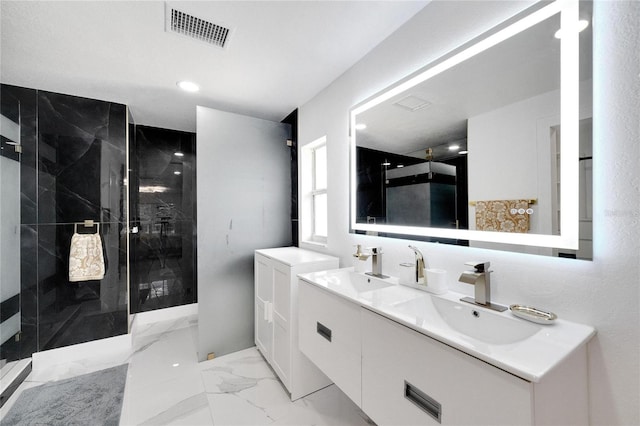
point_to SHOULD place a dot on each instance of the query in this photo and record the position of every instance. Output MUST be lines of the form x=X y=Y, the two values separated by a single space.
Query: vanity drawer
x=410 y=379
x=329 y=328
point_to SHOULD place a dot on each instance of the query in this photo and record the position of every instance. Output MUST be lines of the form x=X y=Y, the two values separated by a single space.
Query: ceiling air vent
x=182 y=23
x=412 y=103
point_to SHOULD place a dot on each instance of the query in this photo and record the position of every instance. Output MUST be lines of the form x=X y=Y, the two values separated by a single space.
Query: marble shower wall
x=72 y=169
x=163 y=208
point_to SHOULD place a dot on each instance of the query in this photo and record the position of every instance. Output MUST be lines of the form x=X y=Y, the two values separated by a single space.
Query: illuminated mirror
x=489 y=146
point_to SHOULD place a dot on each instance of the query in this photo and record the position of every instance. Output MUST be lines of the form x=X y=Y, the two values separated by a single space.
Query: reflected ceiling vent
x=412 y=103
x=182 y=23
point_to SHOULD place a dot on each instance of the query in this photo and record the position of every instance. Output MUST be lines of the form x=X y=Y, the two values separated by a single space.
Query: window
x=314 y=191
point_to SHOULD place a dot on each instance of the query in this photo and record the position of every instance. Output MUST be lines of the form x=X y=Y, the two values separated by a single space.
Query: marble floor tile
x=166 y=385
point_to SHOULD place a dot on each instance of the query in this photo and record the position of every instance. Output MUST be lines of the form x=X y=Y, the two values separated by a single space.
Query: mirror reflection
x=477 y=147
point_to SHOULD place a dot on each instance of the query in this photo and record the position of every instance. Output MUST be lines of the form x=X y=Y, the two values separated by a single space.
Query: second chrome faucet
x=418 y=276
x=480 y=279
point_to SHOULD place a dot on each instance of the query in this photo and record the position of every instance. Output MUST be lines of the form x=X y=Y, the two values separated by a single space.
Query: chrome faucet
x=376 y=263
x=480 y=279
x=418 y=275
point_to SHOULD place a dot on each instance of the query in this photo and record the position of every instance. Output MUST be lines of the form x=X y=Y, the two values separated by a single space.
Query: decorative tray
x=533 y=314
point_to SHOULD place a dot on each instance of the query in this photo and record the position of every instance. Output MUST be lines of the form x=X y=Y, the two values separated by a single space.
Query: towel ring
x=87 y=224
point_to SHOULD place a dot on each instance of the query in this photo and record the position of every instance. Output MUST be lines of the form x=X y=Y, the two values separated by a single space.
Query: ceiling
x=279 y=54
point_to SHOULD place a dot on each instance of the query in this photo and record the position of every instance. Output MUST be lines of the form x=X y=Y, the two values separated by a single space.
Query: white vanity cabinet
x=330 y=337
x=276 y=313
x=397 y=370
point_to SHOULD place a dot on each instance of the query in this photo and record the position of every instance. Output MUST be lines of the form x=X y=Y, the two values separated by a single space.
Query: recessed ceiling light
x=177 y=172
x=463 y=152
x=580 y=26
x=188 y=86
x=400 y=166
x=178 y=154
x=386 y=163
x=454 y=147
x=361 y=126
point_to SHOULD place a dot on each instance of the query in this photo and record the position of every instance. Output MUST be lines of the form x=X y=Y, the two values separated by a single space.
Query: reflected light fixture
x=580 y=26
x=178 y=154
x=177 y=172
x=188 y=86
x=463 y=152
x=454 y=147
x=150 y=189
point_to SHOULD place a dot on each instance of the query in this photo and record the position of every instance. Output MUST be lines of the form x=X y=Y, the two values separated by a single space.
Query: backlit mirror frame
x=569 y=121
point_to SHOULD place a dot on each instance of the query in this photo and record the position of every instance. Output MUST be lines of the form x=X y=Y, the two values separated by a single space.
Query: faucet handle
x=479 y=266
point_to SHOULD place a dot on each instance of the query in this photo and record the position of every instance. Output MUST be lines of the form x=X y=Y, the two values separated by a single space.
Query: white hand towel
x=86 y=260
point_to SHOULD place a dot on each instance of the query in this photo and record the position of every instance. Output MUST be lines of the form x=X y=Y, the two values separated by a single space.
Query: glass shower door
x=10 y=315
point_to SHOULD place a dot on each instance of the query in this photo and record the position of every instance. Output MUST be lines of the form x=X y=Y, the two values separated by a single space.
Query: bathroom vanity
x=408 y=357
x=276 y=313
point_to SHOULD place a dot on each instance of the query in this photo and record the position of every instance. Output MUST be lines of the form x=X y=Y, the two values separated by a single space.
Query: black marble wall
x=73 y=168
x=292 y=119
x=163 y=207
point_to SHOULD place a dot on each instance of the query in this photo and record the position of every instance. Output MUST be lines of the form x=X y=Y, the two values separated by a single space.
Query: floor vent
x=194 y=27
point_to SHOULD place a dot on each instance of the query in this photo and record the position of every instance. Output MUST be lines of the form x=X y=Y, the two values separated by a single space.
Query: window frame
x=309 y=175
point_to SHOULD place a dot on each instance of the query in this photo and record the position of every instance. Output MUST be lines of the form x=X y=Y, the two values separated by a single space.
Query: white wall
x=604 y=292
x=244 y=195
x=503 y=160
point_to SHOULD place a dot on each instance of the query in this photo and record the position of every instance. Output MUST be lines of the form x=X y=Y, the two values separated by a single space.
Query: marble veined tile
x=328 y=406
x=162 y=357
x=166 y=385
x=164 y=402
x=243 y=390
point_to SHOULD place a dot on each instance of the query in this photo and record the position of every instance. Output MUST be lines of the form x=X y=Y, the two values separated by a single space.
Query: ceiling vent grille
x=412 y=103
x=194 y=27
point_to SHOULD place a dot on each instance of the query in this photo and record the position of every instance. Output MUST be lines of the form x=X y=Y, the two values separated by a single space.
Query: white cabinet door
x=411 y=379
x=329 y=335
x=263 y=311
x=281 y=361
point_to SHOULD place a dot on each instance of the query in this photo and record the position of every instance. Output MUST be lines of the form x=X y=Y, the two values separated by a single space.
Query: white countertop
x=530 y=358
x=294 y=255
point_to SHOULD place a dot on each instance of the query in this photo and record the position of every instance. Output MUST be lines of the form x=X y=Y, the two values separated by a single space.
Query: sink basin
x=350 y=283
x=467 y=320
x=362 y=283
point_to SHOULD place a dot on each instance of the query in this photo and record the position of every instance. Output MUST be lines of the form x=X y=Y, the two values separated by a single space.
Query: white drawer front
x=410 y=379
x=330 y=337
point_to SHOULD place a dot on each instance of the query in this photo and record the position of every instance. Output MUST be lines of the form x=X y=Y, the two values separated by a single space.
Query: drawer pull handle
x=323 y=331
x=423 y=401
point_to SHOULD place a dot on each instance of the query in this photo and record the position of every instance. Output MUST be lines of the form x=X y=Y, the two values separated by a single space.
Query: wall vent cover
x=191 y=26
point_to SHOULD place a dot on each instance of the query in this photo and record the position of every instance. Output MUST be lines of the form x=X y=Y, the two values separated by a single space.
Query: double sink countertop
x=523 y=348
